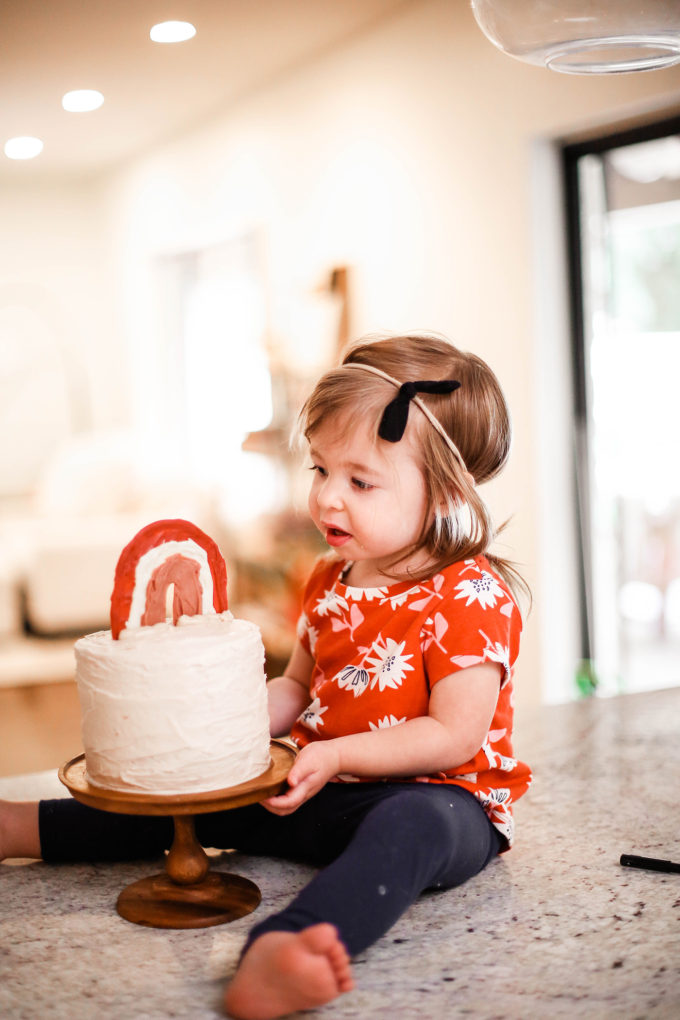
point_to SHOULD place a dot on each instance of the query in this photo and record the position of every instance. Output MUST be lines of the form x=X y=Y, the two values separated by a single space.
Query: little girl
x=399 y=689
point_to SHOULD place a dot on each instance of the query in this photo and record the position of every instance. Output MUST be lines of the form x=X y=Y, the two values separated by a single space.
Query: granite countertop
x=555 y=928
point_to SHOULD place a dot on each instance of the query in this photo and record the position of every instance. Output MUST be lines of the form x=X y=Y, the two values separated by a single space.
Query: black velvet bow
x=395 y=415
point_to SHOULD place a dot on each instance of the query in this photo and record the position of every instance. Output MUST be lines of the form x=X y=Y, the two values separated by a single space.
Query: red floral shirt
x=379 y=651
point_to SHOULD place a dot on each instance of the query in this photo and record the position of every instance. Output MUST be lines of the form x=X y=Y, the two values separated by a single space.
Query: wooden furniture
x=188 y=895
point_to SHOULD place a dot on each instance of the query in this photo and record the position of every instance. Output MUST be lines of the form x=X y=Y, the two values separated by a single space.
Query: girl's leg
x=435 y=845
x=71 y=831
x=415 y=837
x=19 y=835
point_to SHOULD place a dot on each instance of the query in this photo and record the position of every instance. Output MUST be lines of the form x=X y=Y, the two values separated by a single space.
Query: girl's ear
x=455 y=499
x=460 y=494
x=448 y=504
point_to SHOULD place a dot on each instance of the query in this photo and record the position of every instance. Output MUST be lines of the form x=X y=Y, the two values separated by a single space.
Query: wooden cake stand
x=188 y=895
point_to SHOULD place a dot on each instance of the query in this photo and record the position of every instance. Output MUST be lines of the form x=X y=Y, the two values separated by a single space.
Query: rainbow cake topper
x=163 y=553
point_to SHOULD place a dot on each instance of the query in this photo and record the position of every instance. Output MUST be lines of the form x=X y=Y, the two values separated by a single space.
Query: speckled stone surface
x=556 y=928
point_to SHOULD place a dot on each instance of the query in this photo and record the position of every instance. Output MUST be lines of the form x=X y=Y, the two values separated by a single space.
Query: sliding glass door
x=624 y=225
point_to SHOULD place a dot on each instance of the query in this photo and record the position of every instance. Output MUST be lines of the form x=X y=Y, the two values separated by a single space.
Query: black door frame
x=571 y=153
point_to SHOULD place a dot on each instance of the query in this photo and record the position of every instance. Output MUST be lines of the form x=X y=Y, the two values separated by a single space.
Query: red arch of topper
x=148 y=538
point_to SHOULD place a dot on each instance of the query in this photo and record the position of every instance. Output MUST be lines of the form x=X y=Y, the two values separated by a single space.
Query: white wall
x=54 y=259
x=61 y=371
x=408 y=155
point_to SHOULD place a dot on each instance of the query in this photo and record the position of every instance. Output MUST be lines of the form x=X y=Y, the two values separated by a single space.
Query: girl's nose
x=329 y=495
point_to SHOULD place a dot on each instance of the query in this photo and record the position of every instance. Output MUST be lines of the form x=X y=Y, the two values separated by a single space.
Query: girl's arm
x=288 y=695
x=460 y=712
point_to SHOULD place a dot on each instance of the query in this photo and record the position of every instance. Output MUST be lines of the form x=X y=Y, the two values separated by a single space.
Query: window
x=623 y=195
x=218 y=374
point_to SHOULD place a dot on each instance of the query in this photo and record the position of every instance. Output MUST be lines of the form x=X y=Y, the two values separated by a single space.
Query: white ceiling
x=152 y=91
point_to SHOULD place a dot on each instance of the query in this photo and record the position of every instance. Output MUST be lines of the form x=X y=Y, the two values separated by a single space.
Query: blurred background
x=178 y=265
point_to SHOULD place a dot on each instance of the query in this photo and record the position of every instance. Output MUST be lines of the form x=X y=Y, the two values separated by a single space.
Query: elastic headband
x=395 y=416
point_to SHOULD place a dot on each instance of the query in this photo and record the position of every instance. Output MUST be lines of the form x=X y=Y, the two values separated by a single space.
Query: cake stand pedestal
x=188 y=894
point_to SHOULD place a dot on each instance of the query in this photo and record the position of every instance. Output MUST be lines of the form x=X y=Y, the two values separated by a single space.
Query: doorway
x=623 y=195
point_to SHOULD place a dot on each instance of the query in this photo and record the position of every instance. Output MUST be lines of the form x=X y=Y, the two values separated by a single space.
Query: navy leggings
x=378 y=845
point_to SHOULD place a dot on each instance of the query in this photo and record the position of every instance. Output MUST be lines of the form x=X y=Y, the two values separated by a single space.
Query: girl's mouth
x=337 y=537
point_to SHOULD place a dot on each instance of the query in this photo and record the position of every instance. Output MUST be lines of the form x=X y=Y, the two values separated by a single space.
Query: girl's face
x=368 y=501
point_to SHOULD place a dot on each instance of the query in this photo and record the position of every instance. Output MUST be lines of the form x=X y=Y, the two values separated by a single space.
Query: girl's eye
x=318 y=469
x=358 y=484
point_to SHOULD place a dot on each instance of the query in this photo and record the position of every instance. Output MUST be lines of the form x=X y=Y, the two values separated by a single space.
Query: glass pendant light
x=584 y=36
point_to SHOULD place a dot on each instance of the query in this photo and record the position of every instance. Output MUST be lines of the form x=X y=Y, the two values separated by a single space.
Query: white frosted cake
x=173 y=699
x=174 y=709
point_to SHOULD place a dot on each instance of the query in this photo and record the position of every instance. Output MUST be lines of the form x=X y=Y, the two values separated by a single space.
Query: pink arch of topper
x=148 y=538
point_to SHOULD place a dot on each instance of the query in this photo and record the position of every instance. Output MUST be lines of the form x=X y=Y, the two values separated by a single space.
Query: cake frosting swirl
x=174 y=709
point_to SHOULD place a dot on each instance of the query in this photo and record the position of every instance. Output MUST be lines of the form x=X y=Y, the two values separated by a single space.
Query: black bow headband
x=395 y=416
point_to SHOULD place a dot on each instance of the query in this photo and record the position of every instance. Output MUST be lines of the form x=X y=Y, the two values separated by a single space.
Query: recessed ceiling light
x=172 y=31
x=23 y=147
x=82 y=100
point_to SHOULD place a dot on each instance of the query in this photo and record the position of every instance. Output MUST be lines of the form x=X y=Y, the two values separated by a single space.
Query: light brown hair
x=458 y=524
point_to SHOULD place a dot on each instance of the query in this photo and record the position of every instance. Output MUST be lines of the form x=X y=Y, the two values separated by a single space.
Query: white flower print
x=434 y=629
x=354 y=678
x=349 y=621
x=464 y=661
x=495 y=651
x=497 y=760
x=311 y=717
x=484 y=589
x=312 y=634
x=304 y=630
x=331 y=602
x=430 y=590
x=386 y=722
x=492 y=799
x=503 y=821
x=302 y=625
x=398 y=600
x=367 y=594
x=389 y=665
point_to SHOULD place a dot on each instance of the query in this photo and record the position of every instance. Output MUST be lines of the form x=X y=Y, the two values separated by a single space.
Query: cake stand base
x=158 y=902
x=188 y=895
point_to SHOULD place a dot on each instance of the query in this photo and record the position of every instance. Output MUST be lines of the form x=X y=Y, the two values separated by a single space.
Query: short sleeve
x=477 y=621
x=302 y=632
x=320 y=578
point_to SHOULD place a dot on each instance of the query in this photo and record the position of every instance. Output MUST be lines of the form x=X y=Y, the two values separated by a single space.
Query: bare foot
x=286 y=971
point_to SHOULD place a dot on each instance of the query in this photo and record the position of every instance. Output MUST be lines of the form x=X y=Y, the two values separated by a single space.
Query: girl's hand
x=314 y=766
